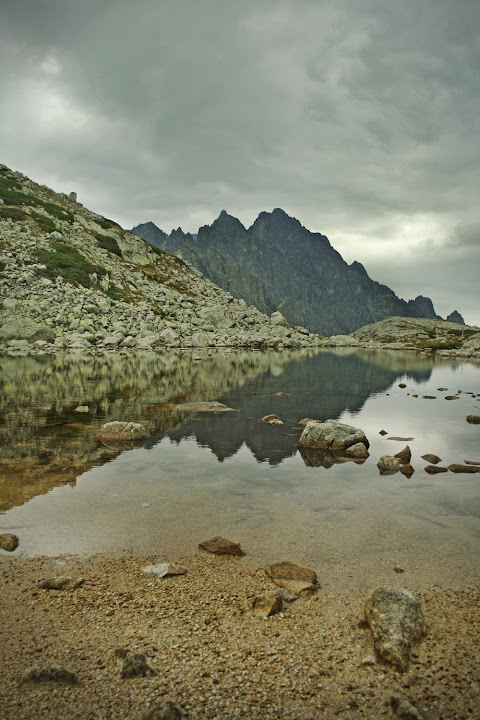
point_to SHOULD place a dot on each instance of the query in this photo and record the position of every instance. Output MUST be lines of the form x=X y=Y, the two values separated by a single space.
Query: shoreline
x=311 y=660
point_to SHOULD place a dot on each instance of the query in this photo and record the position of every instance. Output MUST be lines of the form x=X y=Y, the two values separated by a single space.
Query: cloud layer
x=359 y=117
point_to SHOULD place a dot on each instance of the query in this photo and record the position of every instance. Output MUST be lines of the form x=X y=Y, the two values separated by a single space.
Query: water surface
x=200 y=475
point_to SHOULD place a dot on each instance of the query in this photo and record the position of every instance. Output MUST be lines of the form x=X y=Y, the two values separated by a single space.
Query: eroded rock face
x=121 y=432
x=292 y=577
x=396 y=620
x=331 y=436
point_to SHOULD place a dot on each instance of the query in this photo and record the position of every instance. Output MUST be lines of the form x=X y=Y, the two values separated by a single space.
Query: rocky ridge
x=73 y=279
x=277 y=264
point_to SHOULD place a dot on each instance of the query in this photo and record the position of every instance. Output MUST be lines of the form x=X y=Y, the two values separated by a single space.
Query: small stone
x=407 y=470
x=56 y=583
x=435 y=469
x=429 y=397
x=398 y=569
x=369 y=660
x=292 y=577
x=49 y=673
x=264 y=605
x=452 y=397
x=166 y=711
x=303 y=422
x=473 y=419
x=135 y=665
x=400 y=439
x=164 y=570
x=404 y=455
x=272 y=420
x=220 y=546
x=82 y=409
x=281 y=394
x=402 y=385
x=433 y=459
x=456 y=468
x=8 y=542
x=403 y=709
x=383 y=432
x=388 y=465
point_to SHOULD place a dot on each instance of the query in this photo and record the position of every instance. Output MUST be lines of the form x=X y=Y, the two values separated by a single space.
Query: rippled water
x=202 y=475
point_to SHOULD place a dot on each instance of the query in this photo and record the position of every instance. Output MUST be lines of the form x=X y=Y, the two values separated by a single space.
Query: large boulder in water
x=331 y=436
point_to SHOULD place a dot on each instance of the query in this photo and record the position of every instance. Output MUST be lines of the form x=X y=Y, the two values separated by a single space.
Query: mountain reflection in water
x=44 y=442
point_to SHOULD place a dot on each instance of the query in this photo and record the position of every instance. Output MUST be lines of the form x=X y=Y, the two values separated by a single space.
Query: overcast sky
x=359 y=117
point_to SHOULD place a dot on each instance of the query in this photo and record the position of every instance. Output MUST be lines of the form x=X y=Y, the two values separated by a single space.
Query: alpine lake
x=198 y=475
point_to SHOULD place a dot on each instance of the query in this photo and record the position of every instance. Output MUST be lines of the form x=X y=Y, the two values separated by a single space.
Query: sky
x=361 y=118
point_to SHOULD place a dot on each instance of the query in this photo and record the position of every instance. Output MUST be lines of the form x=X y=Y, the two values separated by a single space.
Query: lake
x=200 y=475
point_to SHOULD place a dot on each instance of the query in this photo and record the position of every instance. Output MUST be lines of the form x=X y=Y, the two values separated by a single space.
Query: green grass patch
x=108 y=243
x=56 y=210
x=13 y=213
x=106 y=224
x=67 y=262
x=45 y=224
x=10 y=192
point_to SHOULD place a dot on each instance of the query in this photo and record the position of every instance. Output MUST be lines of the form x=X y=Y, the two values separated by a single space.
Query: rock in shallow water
x=388 y=465
x=291 y=577
x=331 y=436
x=220 y=546
x=396 y=620
x=8 y=542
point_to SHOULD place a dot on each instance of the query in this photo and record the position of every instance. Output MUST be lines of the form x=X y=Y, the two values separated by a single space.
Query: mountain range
x=279 y=265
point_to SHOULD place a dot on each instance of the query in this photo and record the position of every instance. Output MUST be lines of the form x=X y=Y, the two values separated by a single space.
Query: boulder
x=220 y=546
x=8 y=542
x=292 y=577
x=388 y=465
x=331 y=436
x=121 y=432
x=276 y=318
x=23 y=328
x=396 y=620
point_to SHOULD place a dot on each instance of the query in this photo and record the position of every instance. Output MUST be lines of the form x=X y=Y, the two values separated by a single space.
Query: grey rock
x=135 y=665
x=331 y=436
x=204 y=407
x=396 y=620
x=403 y=709
x=388 y=465
x=164 y=570
x=24 y=328
x=118 y=431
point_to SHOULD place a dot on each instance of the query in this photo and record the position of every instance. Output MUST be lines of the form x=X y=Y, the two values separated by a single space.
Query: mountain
x=279 y=265
x=70 y=278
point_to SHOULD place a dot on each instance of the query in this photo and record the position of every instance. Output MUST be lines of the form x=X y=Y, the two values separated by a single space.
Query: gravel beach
x=312 y=660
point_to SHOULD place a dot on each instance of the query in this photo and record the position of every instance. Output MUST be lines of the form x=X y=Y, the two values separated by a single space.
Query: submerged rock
x=204 y=407
x=396 y=620
x=220 y=546
x=291 y=577
x=121 y=432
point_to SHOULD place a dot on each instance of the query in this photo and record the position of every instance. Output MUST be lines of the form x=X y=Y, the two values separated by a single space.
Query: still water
x=200 y=475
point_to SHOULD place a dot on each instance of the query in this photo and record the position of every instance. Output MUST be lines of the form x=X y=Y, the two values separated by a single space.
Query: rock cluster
x=73 y=279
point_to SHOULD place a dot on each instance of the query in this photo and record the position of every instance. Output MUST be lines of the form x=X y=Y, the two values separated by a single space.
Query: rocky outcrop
x=279 y=265
x=455 y=317
x=72 y=279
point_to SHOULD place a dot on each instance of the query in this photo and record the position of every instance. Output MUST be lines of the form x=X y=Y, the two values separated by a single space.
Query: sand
x=309 y=661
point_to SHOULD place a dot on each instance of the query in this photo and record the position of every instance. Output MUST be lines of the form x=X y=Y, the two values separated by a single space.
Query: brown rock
x=429 y=397
x=452 y=397
x=402 y=385
x=303 y=422
x=407 y=470
x=472 y=462
x=383 y=432
x=135 y=665
x=456 y=468
x=357 y=451
x=473 y=419
x=264 y=605
x=403 y=709
x=272 y=420
x=400 y=439
x=404 y=455
x=220 y=546
x=292 y=577
x=166 y=711
x=49 y=673
x=60 y=582
x=8 y=542
x=433 y=459
x=435 y=469
x=388 y=465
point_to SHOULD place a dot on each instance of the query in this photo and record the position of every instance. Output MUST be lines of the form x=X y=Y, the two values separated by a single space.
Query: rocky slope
x=73 y=279
x=277 y=264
